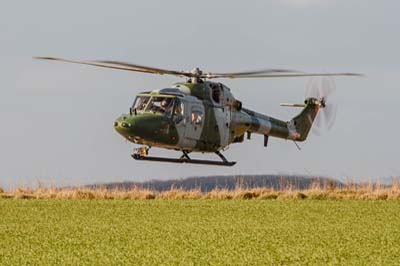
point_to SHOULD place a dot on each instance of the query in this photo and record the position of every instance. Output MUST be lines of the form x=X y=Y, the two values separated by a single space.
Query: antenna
x=297 y=145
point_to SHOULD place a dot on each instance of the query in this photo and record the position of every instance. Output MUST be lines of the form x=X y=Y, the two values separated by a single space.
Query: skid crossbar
x=181 y=160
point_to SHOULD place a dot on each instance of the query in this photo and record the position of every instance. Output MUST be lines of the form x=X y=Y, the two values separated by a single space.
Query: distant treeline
x=210 y=183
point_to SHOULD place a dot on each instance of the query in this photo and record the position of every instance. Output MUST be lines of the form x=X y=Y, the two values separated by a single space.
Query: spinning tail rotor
x=319 y=109
x=322 y=89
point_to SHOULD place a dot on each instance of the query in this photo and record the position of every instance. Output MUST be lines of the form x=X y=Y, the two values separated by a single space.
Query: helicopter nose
x=123 y=124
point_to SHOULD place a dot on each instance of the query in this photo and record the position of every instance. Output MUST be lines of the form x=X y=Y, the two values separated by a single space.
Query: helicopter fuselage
x=199 y=117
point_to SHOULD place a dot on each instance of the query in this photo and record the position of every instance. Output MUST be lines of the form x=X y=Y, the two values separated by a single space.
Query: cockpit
x=167 y=105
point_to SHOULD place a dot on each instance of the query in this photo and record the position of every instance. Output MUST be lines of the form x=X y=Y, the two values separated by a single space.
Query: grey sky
x=57 y=119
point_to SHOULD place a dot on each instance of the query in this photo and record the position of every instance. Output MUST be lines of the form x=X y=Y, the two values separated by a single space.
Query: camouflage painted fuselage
x=211 y=120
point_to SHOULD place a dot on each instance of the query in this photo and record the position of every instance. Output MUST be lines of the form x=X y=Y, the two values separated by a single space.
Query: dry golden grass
x=352 y=191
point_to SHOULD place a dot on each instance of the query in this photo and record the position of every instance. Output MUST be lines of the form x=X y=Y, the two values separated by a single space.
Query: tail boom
x=295 y=129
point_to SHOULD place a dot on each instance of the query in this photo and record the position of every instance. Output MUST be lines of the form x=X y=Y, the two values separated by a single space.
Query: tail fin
x=303 y=121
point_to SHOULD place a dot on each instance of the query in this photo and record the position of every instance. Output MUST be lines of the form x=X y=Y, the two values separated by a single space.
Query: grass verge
x=314 y=192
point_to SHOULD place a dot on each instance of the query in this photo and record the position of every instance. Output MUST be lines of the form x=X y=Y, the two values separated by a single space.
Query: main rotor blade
x=122 y=66
x=248 y=73
x=196 y=73
x=288 y=75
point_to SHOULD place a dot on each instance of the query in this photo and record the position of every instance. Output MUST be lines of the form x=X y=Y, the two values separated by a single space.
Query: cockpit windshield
x=166 y=105
x=161 y=105
x=140 y=103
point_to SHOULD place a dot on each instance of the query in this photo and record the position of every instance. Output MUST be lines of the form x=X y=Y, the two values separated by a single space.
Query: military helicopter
x=200 y=115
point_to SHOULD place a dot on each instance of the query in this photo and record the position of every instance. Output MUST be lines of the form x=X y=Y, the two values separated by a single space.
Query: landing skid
x=183 y=159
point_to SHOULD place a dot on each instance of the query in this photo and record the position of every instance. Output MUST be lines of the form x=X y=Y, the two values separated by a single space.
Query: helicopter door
x=223 y=117
x=178 y=118
x=194 y=123
x=222 y=113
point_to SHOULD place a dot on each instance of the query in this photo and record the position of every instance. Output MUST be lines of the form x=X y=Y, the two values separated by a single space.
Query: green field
x=199 y=232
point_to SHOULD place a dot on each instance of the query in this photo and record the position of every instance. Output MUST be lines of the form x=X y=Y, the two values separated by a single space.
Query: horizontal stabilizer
x=293 y=104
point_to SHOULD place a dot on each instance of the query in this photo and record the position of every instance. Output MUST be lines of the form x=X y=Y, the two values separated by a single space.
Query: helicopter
x=203 y=116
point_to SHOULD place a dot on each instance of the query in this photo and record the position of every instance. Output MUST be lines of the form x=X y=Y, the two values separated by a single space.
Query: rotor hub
x=196 y=72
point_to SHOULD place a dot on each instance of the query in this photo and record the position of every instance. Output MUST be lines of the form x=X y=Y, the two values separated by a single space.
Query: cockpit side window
x=178 y=111
x=178 y=107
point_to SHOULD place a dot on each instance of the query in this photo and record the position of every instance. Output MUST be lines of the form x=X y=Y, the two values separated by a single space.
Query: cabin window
x=197 y=117
x=216 y=93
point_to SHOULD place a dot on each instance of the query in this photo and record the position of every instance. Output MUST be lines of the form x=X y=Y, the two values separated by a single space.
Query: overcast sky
x=57 y=119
